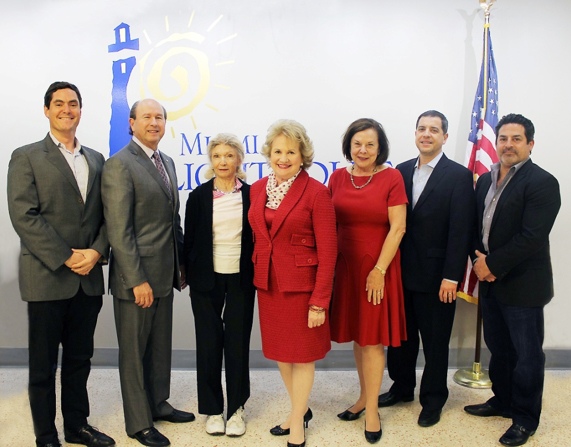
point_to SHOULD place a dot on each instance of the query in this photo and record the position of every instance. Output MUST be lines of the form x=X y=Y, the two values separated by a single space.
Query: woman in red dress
x=368 y=307
x=295 y=246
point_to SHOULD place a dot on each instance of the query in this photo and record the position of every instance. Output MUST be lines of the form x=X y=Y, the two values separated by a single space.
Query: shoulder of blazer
x=406 y=165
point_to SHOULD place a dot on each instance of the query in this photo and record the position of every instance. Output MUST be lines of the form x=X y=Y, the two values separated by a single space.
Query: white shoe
x=236 y=426
x=215 y=425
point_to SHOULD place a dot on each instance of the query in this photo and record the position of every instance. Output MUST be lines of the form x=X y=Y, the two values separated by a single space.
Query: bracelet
x=384 y=272
x=316 y=309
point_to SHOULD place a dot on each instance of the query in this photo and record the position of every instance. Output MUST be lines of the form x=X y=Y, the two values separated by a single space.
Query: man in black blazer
x=517 y=203
x=140 y=196
x=434 y=251
x=54 y=199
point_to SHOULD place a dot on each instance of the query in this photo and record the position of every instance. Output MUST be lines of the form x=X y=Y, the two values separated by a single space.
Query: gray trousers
x=145 y=342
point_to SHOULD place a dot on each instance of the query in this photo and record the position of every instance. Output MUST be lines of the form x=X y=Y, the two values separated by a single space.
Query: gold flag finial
x=486 y=5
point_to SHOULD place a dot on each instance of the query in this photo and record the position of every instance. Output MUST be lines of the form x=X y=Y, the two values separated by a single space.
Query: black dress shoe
x=89 y=436
x=279 y=431
x=349 y=416
x=485 y=410
x=516 y=435
x=389 y=399
x=151 y=437
x=373 y=437
x=49 y=444
x=428 y=418
x=177 y=417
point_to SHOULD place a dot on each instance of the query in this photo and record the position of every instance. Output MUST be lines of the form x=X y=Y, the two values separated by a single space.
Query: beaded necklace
x=368 y=181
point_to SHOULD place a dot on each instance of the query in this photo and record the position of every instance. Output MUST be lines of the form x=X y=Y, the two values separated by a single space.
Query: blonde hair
x=231 y=140
x=294 y=131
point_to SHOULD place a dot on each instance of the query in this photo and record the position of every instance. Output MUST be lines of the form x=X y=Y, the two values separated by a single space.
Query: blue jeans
x=514 y=336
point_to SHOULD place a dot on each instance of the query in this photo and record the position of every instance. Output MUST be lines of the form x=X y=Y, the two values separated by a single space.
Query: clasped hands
x=82 y=260
x=481 y=268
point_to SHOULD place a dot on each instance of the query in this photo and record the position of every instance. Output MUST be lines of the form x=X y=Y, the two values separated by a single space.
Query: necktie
x=161 y=168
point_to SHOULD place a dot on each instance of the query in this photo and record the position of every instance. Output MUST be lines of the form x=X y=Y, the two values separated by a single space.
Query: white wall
x=323 y=63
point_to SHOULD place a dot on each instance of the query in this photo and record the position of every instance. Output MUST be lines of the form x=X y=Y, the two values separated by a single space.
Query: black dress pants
x=433 y=319
x=223 y=323
x=71 y=323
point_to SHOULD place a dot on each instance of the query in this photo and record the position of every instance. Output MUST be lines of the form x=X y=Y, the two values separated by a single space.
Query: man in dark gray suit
x=54 y=199
x=140 y=196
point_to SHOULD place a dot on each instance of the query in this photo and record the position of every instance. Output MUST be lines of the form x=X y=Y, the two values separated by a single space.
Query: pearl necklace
x=368 y=181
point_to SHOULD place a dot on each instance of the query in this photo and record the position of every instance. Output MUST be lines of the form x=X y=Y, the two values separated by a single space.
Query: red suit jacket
x=302 y=243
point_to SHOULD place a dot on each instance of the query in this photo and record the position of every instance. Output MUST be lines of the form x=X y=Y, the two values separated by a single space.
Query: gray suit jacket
x=49 y=215
x=143 y=223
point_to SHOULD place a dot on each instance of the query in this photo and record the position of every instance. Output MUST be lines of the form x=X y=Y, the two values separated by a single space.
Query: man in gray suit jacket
x=54 y=199
x=140 y=197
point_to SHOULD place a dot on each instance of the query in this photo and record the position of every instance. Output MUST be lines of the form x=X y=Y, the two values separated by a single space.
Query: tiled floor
x=333 y=392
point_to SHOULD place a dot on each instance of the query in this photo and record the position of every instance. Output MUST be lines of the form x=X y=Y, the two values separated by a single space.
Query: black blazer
x=519 y=236
x=439 y=229
x=198 y=239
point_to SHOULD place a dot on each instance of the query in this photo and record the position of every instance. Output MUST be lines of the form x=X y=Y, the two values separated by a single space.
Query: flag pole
x=476 y=377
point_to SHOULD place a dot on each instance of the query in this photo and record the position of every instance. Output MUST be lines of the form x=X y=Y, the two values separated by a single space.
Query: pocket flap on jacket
x=303 y=260
x=307 y=240
x=146 y=250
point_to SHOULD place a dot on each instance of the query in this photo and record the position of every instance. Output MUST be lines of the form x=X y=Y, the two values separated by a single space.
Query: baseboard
x=336 y=360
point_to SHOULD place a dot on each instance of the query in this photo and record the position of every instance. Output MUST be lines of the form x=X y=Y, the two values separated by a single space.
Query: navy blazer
x=519 y=255
x=439 y=229
x=198 y=239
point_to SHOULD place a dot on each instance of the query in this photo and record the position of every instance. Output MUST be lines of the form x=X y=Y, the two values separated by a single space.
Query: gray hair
x=231 y=140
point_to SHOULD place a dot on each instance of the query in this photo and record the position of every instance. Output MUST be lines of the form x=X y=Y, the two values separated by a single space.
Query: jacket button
x=80 y=200
x=309 y=260
x=303 y=241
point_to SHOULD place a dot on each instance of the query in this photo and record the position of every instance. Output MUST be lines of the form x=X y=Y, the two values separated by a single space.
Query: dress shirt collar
x=62 y=146
x=495 y=168
x=432 y=163
x=147 y=150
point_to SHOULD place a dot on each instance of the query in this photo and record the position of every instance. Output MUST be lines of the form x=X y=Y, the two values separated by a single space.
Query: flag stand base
x=474 y=378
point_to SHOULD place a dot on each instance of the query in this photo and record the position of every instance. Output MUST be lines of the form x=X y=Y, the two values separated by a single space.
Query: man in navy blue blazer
x=439 y=227
x=517 y=203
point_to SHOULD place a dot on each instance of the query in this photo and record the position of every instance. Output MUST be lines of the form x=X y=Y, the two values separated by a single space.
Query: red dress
x=362 y=226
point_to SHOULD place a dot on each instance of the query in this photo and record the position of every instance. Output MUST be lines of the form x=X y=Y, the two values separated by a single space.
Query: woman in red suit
x=368 y=306
x=295 y=247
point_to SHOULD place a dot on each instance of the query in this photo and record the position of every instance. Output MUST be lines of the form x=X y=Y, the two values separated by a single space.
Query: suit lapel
x=290 y=200
x=408 y=173
x=147 y=163
x=435 y=177
x=91 y=163
x=258 y=207
x=510 y=187
x=55 y=157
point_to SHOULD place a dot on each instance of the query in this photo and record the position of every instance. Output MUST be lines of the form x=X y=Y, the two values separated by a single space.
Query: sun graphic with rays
x=176 y=71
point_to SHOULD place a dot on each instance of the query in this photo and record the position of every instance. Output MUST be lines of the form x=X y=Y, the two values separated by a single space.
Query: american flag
x=481 y=150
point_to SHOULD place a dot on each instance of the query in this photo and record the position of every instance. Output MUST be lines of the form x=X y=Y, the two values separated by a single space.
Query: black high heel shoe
x=350 y=416
x=373 y=437
x=289 y=444
x=279 y=431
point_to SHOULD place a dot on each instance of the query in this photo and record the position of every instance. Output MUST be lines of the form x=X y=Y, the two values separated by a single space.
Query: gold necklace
x=368 y=181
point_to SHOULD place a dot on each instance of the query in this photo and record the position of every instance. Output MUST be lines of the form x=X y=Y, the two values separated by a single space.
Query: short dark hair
x=60 y=85
x=435 y=114
x=361 y=125
x=514 y=118
x=133 y=113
